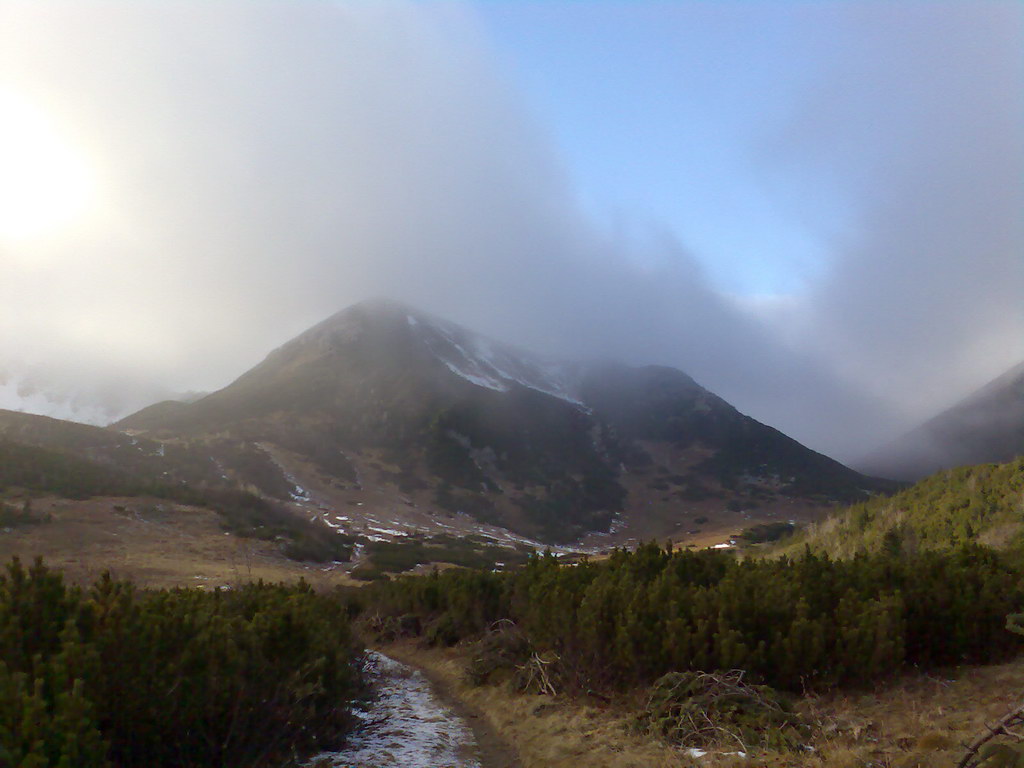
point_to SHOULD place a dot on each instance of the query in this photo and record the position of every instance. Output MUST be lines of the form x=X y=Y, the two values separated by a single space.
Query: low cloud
x=919 y=131
x=262 y=166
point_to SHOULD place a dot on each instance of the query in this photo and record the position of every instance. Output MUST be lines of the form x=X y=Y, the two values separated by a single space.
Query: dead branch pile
x=537 y=674
x=704 y=709
x=390 y=628
x=984 y=752
x=500 y=652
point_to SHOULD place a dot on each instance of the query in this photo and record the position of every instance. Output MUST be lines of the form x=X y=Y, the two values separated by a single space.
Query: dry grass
x=547 y=732
x=920 y=720
x=1001 y=536
x=153 y=542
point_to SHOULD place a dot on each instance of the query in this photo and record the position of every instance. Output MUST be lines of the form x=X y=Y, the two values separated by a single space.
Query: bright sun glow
x=45 y=184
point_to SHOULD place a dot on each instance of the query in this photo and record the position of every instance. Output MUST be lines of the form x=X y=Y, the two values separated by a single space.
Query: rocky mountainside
x=986 y=427
x=432 y=417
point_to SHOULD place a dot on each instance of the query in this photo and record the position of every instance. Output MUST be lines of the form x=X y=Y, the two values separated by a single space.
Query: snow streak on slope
x=490 y=364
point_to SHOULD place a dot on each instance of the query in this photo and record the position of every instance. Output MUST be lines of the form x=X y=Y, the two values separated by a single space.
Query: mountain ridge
x=987 y=426
x=546 y=448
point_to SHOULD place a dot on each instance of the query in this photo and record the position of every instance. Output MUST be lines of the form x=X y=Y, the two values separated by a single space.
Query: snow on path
x=407 y=726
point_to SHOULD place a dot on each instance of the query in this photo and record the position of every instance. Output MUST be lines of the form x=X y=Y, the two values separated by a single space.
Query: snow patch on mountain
x=489 y=364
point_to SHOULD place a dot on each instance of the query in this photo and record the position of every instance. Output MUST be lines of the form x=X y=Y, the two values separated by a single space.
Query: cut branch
x=1002 y=728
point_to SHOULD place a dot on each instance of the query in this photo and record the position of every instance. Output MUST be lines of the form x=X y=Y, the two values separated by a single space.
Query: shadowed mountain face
x=986 y=427
x=548 y=449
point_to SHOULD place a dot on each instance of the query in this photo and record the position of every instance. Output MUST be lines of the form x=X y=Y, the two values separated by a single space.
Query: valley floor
x=916 y=721
x=154 y=543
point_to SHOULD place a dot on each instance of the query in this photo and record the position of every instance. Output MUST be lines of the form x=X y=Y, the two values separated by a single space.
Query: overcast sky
x=815 y=209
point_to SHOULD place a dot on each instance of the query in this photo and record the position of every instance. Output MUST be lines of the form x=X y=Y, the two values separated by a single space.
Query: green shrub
x=766 y=532
x=12 y=516
x=184 y=678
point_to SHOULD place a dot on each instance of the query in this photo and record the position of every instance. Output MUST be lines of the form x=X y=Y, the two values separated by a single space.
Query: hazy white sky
x=814 y=209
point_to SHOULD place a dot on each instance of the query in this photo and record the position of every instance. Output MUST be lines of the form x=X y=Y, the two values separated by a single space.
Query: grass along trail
x=914 y=721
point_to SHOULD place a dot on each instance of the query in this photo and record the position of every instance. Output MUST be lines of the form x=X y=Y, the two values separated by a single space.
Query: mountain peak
x=378 y=309
x=382 y=395
x=416 y=335
x=381 y=319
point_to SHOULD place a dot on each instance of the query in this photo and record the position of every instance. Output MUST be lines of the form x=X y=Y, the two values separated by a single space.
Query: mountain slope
x=42 y=456
x=977 y=504
x=382 y=395
x=665 y=405
x=218 y=463
x=986 y=427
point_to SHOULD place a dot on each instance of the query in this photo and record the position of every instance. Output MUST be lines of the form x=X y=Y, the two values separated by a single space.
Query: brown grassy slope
x=917 y=721
x=153 y=542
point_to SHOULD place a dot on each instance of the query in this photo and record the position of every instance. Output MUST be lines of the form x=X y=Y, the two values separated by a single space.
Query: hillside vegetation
x=688 y=640
x=35 y=469
x=702 y=649
x=112 y=676
x=982 y=504
x=793 y=624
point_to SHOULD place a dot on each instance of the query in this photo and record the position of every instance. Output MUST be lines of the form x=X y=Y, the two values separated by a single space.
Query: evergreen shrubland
x=793 y=623
x=949 y=509
x=113 y=676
